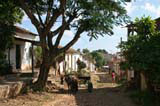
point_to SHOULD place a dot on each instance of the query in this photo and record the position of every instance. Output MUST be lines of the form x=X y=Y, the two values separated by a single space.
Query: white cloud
x=151 y=8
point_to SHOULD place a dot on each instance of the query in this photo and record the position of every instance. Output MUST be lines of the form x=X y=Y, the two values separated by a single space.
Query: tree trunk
x=143 y=81
x=42 y=78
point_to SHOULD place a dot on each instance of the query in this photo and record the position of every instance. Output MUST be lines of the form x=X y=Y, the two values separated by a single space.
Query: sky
x=136 y=8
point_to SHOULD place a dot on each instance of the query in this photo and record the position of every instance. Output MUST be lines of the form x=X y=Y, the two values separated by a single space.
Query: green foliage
x=145 y=26
x=9 y=15
x=142 y=51
x=99 y=58
x=96 y=18
x=83 y=72
x=124 y=65
x=6 y=38
x=9 y=12
x=5 y=68
x=86 y=51
x=81 y=65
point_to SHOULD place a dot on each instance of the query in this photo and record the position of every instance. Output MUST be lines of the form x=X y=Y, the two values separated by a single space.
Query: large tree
x=96 y=17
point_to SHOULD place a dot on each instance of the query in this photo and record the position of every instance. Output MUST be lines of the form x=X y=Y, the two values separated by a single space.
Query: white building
x=70 y=62
x=90 y=64
x=20 y=56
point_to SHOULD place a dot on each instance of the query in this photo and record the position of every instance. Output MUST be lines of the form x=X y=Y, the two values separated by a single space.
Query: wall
x=71 y=63
x=25 y=48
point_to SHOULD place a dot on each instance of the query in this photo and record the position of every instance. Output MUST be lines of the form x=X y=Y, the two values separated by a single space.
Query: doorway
x=18 y=56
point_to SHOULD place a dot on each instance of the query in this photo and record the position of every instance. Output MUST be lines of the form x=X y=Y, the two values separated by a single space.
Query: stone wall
x=10 y=89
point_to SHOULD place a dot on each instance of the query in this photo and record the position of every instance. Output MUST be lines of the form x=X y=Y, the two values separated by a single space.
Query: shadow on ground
x=99 y=97
x=106 y=95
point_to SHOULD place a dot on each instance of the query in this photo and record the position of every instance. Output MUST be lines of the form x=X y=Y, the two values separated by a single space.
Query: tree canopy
x=9 y=15
x=96 y=17
x=142 y=50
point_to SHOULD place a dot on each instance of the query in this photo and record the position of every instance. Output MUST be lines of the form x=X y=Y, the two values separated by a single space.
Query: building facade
x=70 y=62
x=20 y=56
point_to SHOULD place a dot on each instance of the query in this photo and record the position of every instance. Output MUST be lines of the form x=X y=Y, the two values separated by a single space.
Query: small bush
x=81 y=65
x=5 y=68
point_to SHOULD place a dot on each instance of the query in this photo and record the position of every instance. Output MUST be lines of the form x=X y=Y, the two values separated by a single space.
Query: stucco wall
x=25 y=48
x=71 y=63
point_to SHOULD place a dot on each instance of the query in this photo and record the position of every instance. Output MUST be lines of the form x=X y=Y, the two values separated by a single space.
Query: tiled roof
x=72 y=51
x=22 y=30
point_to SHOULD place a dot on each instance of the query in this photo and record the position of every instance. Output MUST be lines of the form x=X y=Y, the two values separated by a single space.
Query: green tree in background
x=99 y=58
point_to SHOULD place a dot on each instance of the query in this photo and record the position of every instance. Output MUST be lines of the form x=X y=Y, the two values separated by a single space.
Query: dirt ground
x=104 y=94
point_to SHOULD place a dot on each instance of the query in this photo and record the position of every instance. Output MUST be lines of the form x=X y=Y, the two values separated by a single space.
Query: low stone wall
x=10 y=89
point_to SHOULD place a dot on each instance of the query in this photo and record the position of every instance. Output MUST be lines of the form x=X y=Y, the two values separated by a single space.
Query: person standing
x=113 y=77
x=90 y=86
x=62 y=79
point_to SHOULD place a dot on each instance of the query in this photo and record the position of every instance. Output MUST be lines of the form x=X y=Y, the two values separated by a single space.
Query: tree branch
x=40 y=19
x=29 y=13
x=73 y=41
x=50 y=3
x=54 y=17
x=64 y=27
x=59 y=37
x=55 y=32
